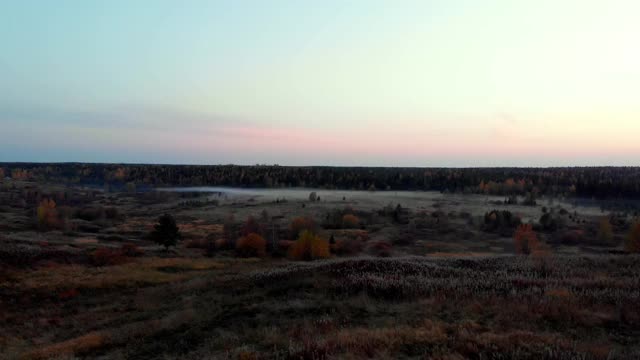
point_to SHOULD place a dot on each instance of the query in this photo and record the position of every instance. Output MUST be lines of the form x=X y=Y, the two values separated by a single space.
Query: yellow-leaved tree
x=309 y=246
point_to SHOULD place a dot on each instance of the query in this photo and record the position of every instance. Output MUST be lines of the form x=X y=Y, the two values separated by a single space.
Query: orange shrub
x=251 y=226
x=632 y=243
x=350 y=221
x=252 y=245
x=525 y=239
x=309 y=247
x=300 y=224
x=47 y=214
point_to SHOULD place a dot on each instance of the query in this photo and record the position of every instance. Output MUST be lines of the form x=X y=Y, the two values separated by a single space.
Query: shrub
x=47 y=214
x=252 y=245
x=525 y=239
x=348 y=246
x=632 y=243
x=551 y=222
x=300 y=224
x=222 y=244
x=350 y=221
x=605 y=232
x=500 y=221
x=166 y=232
x=309 y=247
x=251 y=226
x=381 y=249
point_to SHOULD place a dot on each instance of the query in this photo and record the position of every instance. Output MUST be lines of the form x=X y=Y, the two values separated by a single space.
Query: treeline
x=600 y=182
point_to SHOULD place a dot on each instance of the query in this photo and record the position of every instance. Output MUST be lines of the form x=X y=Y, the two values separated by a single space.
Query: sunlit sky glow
x=389 y=83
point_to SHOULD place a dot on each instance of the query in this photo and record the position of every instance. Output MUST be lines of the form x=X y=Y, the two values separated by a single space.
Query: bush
x=381 y=249
x=252 y=245
x=605 y=232
x=525 y=240
x=632 y=243
x=348 y=246
x=309 y=247
x=500 y=221
x=300 y=224
x=251 y=226
x=166 y=232
x=350 y=221
x=551 y=222
x=47 y=214
x=222 y=244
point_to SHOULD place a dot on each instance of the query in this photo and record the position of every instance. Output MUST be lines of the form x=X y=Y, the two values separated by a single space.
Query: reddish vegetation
x=350 y=221
x=111 y=256
x=251 y=226
x=526 y=240
x=252 y=245
x=349 y=246
x=300 y=224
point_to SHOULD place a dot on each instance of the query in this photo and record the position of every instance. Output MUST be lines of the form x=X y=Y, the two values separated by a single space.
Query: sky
x=335 y=82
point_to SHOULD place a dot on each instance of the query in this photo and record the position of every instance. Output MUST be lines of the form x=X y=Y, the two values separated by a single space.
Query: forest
x=586 y=182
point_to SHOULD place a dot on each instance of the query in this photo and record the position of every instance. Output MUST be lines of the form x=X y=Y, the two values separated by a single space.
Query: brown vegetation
x=525 y=240
x=251 y=245
x=309 y=247
x=632 y=243
x=301 y=224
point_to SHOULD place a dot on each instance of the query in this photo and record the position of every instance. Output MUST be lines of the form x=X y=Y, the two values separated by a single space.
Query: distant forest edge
x=590 y=182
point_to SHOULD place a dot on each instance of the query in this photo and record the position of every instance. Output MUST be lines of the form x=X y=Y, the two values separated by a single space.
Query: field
x=405 y=274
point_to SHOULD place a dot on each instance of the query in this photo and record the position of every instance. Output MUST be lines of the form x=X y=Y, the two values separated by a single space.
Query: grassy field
x=407 y=307
x=440 y=280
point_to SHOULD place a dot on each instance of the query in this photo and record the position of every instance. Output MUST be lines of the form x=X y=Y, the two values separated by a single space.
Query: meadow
x=312 y=273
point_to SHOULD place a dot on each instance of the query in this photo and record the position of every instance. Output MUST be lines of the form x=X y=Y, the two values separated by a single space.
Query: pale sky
x=385 y=83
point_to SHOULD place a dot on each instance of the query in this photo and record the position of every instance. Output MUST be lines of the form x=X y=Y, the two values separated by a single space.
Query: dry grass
x=146 y=271
x=76 y=346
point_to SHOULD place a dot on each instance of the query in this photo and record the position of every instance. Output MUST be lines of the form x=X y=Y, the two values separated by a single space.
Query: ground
x=449 y=286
